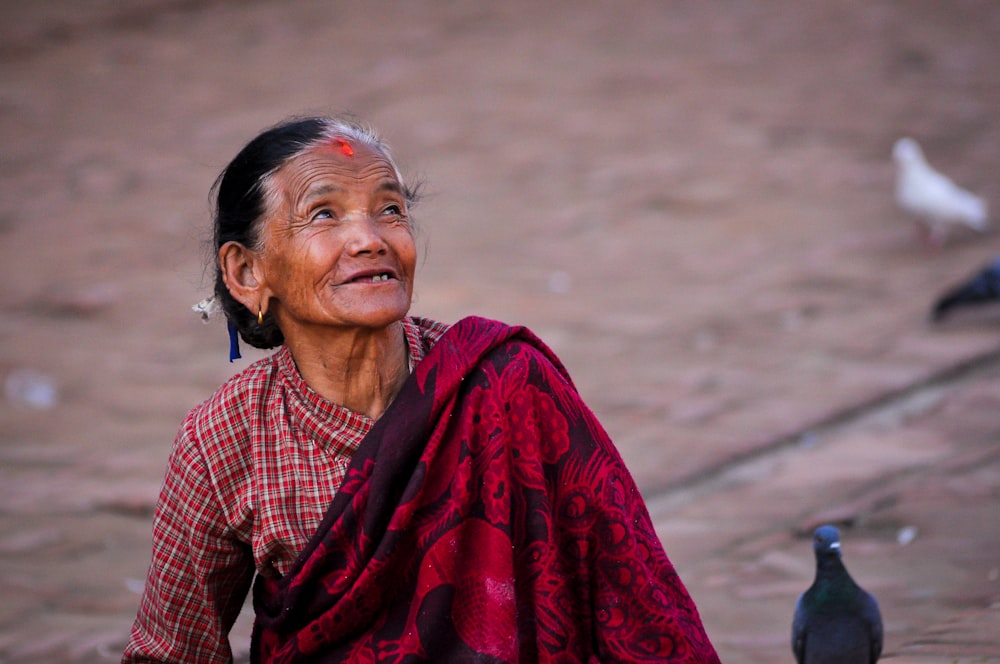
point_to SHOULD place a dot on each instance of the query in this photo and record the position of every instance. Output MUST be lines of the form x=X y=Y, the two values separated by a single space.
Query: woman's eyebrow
x=328 y=188
x=390 y=185
x=322 y=190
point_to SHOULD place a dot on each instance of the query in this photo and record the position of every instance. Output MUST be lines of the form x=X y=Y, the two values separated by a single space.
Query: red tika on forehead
x=343 y=146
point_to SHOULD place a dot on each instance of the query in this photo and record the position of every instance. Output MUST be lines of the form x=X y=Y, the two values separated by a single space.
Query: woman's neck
x=360 y=369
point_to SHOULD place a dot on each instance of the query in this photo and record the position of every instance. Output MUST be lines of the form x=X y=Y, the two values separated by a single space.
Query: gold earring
x=260 y=316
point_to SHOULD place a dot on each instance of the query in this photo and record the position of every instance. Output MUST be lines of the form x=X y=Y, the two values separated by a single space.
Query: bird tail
x=983 y=288
x=944 y=305
x=974 y=212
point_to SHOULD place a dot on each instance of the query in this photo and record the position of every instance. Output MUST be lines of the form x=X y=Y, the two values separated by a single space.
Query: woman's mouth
x=371 y=278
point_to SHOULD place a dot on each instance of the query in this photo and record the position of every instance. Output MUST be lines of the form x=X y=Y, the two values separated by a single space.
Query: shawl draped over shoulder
x=487 y=517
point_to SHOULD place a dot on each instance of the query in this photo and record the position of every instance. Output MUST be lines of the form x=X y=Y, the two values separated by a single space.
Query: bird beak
x=835 y=545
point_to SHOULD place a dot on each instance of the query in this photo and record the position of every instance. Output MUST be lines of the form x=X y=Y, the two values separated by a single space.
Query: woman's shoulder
x=227 y=413
x=476 y=339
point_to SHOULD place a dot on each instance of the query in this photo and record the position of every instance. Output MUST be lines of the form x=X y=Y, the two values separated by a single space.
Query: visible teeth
x=380 y=277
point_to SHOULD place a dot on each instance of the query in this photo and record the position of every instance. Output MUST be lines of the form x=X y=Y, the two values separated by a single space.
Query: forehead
x=330 y=167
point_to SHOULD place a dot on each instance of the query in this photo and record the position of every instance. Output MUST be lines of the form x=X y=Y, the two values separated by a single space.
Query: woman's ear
x=243 y=275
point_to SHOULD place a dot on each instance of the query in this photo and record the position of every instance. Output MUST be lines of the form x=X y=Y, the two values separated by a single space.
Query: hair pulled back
x=241 y=194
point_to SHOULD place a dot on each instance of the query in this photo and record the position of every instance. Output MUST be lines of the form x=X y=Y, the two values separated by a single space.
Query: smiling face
x=337 y=247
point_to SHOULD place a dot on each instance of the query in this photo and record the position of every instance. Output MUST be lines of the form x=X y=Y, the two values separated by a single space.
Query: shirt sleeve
x=200 y=572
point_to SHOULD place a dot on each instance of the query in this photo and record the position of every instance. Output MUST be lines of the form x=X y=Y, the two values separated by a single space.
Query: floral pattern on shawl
x=487 y=517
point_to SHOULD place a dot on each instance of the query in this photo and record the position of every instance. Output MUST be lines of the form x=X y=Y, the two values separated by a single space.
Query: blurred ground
x=691 y=202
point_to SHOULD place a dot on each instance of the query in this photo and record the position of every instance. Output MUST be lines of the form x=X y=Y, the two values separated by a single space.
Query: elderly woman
x=400 y=489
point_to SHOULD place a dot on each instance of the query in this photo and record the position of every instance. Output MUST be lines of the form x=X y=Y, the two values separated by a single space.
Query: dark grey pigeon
x=836 y=621
x=982 y=288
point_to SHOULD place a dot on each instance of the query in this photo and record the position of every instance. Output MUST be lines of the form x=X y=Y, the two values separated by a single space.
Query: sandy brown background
x=690 y=201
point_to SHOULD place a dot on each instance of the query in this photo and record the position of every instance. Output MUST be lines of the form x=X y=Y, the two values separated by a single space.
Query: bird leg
x=931 y=236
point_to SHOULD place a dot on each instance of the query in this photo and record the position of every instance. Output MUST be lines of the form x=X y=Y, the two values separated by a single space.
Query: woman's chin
x=375 y=317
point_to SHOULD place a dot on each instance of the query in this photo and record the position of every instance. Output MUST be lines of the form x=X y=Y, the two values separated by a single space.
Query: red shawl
x=486 y=517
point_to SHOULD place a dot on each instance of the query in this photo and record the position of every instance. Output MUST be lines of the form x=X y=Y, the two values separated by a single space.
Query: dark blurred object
x=982 y=289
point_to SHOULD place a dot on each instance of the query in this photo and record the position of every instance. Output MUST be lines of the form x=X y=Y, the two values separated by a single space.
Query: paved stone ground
x=690 y=201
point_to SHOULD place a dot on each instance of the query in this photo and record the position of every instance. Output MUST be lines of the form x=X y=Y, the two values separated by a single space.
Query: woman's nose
x=364 y=236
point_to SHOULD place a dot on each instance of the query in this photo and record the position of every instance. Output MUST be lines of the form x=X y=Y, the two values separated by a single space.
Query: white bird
x=936 y=201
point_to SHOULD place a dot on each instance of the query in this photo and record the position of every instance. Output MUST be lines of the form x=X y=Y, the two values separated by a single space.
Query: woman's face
x=338 y=248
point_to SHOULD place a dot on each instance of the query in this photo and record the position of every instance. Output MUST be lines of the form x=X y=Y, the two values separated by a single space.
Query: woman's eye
x=324 y=214
x=393 y=210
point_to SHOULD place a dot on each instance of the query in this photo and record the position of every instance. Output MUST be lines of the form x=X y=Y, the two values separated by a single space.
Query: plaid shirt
x=252 y=472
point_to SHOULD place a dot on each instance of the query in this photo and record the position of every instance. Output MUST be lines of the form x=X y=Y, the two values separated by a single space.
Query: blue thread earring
x=234 y=341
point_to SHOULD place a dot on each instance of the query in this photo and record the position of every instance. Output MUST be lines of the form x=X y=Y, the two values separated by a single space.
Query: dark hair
x=241 y=192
